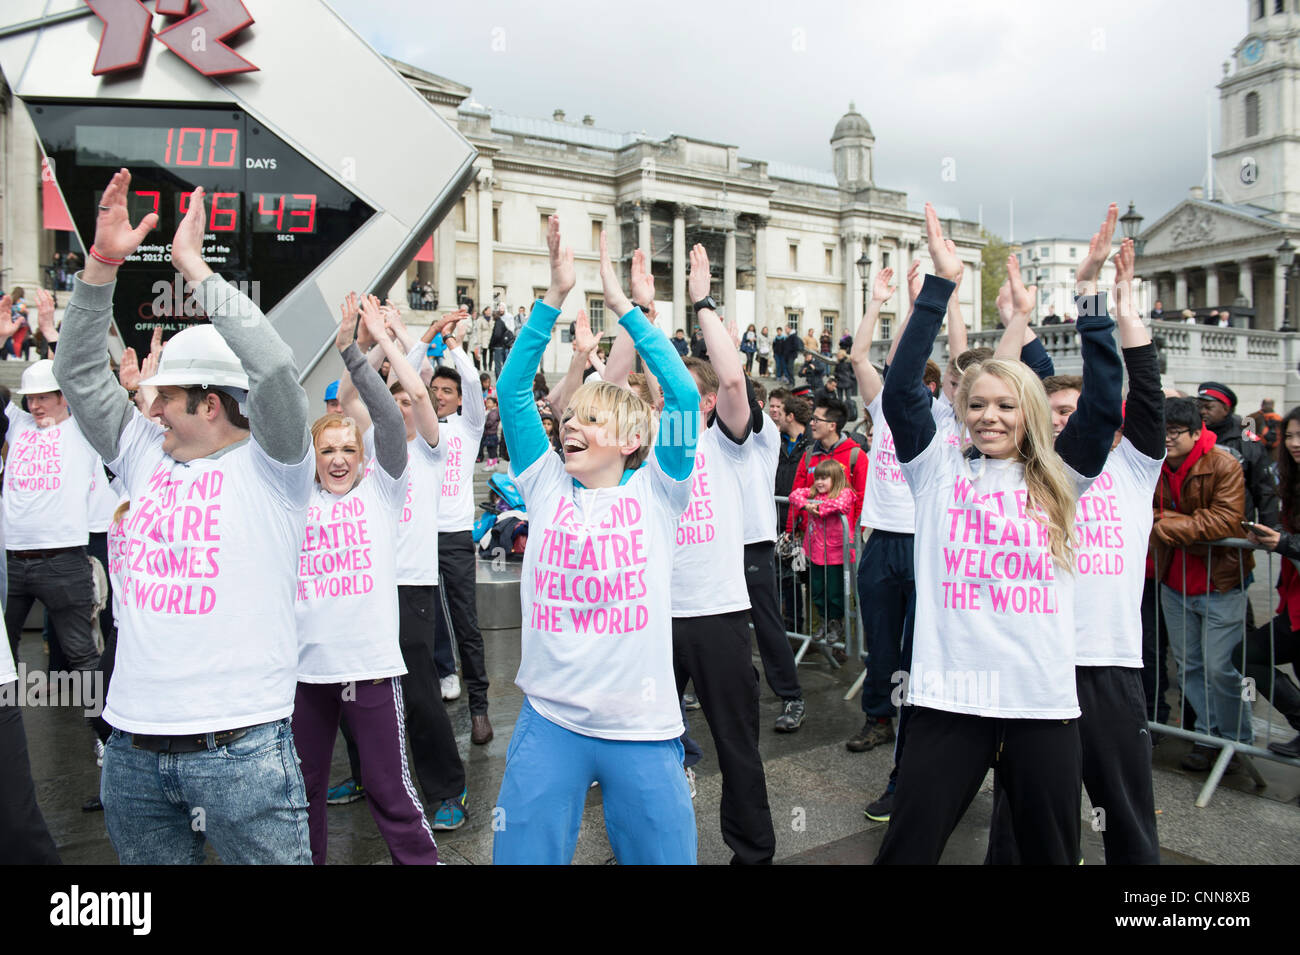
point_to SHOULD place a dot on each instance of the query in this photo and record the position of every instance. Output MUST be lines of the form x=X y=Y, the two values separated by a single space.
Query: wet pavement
x=816 y=788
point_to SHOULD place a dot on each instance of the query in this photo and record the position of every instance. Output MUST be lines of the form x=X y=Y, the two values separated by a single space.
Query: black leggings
x=948 y=756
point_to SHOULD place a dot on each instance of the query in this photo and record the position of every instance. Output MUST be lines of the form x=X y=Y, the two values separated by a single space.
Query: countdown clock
x=291 y=136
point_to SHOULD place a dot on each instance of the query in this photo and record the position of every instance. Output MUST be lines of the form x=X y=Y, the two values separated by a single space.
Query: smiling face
x=822 y=486
x=188 y=435
x=589 y=447
x=776 y=411
x=338 y=459
x=48 y=408
x=994 y=417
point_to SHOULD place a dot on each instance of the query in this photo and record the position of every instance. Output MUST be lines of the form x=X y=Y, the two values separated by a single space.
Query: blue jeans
x=1204 y=632
x=248 y=797
x=648 y=813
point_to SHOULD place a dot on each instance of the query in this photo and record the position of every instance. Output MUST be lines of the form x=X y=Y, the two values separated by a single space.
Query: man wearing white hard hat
x=207 y=649
x=46 y=517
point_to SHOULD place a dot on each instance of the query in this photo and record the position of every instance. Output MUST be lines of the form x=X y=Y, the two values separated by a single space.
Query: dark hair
x=836 y=413
x=1054 y=383
x=1182 y=413
x=451 y=374
x=760 y=391
x=779 y=394
x=799 y=407
x=196 y=395
x=1288 y=478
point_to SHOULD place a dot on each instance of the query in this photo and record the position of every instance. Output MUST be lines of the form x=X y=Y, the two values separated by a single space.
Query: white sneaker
x=450 y=687
x=690 y=780
x=99 y=753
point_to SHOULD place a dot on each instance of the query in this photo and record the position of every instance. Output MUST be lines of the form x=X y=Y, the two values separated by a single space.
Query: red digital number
x=180 y=146
x=234 y=146
x=156 y=198
x=230 y=216
x=278 y=211
x=309 y=213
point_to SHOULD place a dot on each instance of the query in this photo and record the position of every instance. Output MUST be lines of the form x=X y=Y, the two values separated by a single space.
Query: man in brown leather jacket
x=1201 y=497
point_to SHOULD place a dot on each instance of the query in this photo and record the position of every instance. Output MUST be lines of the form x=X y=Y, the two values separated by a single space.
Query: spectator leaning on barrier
x=1217 y=403
x=1201 y=497
x=827 y=426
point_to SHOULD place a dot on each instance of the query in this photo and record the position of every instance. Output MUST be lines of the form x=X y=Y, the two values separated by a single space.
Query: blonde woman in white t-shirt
x=349 y=660
x=992 y=675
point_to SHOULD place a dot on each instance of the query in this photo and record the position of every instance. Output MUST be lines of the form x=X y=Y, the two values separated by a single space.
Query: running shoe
x=881 y=809
x=99 y=752
x=690 y=701
x=451 y=814
x=450 y=687
x=873 y=733
x=791 y=717
x=690 y=780
x=345 y=792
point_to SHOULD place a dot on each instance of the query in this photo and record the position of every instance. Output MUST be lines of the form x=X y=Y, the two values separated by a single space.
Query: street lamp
x=1131 y=222
x=864 y=272
x=1286 y=258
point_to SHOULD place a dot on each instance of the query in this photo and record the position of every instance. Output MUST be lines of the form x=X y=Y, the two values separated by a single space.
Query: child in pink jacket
x=819 y=508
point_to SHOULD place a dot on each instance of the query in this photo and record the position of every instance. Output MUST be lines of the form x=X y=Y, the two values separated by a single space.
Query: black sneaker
x=791 y=717
x=690 y=701
x=873 y=733
x=1200 y=758
x=880 y=810
x=1291 y=749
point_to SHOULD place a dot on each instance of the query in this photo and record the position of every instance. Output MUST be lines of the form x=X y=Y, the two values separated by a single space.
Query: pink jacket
x=824 y=534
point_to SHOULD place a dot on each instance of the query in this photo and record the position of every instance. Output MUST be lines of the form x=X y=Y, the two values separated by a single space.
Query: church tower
x=1258 y=162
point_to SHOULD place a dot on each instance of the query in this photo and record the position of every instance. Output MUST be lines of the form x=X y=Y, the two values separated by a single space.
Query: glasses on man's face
x=1171 y=436
x=820 y=420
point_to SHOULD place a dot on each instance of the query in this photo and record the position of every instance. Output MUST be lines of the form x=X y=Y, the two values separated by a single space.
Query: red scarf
x=1187 y=572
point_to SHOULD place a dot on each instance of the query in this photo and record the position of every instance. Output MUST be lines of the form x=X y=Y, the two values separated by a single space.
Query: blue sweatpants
x=648 y=812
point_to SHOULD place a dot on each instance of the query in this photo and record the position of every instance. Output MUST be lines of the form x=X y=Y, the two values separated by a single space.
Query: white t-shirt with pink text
x=347 y=590
x=456 y=509
x=760 y=506
x=886 y=501
x=1112 y=526
x=47 y=481
x=709 y=557
x=597 y=648
x=995 y=631
x=208 y=639
x=417 y=527
x=104 y=498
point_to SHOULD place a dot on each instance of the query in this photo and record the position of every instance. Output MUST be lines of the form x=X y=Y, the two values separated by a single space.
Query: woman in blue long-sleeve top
x=992 y=675
x=596 y=669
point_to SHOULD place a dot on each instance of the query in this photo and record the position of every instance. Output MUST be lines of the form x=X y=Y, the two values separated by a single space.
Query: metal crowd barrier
x=1232 y=645
x=795 y=588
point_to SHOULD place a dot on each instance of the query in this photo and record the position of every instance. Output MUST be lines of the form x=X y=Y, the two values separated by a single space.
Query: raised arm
x=390 y=431
x=1144 y=411
x=733 y=405
x=422 y=410
x=956 y=323
x=906 y=399
x=914 y=278
x=101 y=406
x=45 y=318
x=277 y=404
x=584 y=343
x=869 y=380
x=349 y=397
x=622 y=354
x=679 y=425
x=521 y=424
x=1015 y=304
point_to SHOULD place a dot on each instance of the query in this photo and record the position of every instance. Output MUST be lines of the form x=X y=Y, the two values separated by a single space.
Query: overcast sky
x=1059 y=107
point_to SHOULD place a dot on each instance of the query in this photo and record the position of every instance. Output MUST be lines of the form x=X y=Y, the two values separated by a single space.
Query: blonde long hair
x=1051 y=493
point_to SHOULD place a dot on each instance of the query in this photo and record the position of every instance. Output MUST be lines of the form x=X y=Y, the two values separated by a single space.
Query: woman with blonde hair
x=992 y=675
x=596 y=667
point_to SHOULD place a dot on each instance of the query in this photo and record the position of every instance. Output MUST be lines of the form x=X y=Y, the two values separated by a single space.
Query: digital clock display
x=273 y=217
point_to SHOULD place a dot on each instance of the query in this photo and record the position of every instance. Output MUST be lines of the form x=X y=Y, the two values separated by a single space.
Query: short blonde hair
x=624 y=415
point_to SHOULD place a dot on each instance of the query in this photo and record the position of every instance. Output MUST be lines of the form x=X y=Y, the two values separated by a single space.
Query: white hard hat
x=199 y=356
x=38 y=379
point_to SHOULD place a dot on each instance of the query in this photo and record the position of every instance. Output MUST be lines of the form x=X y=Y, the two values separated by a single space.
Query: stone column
x=849 y=272
x=760 y=272
x=679 y=267
x=1246 y=283
x=444 y=252
x=974 y=321
x=1279 y=295
x=1180 y=289
x=1212 y=286
x=24 y=222
x=485 y=275
x=729 y=276
x=643 y=240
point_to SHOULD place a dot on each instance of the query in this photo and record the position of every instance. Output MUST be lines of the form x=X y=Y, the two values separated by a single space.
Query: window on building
x=1279 y=6
x=794 y=257
x=885 y=322
x=1259 y=9
x=597 y=227
x=828 y=325
x=1074 y=252
x=792 y=319
x=462 y=293
x=884 y=260
x=496 y=223
x=1043 y=252
x=539 y=291
x=544 y=224
x=830 y=261
x=460 y=215
x=1252 y=114
x=596 y=314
